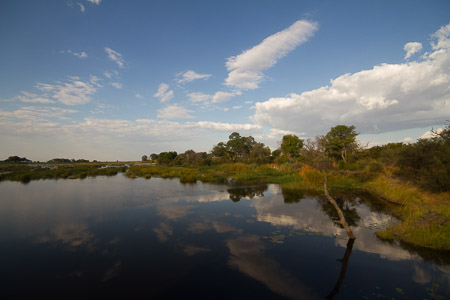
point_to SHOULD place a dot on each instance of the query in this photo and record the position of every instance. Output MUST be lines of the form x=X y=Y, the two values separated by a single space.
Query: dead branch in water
x=342 y=221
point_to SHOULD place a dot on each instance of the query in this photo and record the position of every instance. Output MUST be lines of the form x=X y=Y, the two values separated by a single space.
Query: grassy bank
x=28 y=172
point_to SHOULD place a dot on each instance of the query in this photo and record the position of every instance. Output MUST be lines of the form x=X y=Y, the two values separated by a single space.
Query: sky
x=114 y=80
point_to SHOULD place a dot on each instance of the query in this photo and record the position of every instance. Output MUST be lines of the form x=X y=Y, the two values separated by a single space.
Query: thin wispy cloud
x=117 y=85
x=246 y=69
x=97 y=2
x=33 y=98
x=82 y=8
x=163 y=93
x=80 y=55
x=190 y=75
x=115 y=57
x=174 y=112
x=72 y=92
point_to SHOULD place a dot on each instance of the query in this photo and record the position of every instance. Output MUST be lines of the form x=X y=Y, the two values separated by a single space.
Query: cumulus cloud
x=190 y=75
x=174 y=112
x=411 y=49
x=115 y=57
x=430 y=134
x=199 y=97
x=139 y=96
x=387 y=97
x=224 y=96
x=246 y=69
x=73 y=92
x=163 y=93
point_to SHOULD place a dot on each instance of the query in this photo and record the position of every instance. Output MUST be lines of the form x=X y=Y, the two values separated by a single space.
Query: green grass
x=425 y=216
x=27 y=172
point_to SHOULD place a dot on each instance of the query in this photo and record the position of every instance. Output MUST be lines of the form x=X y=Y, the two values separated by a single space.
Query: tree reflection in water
x=344 y=261
x=237 y=193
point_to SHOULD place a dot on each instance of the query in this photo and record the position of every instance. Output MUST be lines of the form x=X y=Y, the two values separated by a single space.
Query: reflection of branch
x=344 y=262
x=341 y=215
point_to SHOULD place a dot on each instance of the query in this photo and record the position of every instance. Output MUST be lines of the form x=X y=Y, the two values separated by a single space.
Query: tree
x=260 y=154
x=239 y=147
x=144 y=158
x=340 y=141
x=291 y=145
x=153 y=156
x=16 y=158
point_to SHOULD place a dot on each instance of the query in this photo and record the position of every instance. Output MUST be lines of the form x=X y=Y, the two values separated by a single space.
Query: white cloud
x=117 y=85
x=107 y=74
x=190 y=75
x=411 y=49
x=82 y=9
x=429 y=134
x=95 y=1
x=139 y=96
x=174 y=112
x=115 y=57
x=33 y=98
x=227 y=127
x=163 y=93
x=199 y=97
x=35 y=113
x=80 y=55
x=237 y=107
x=73 y=92
x=246 y=69
x=387 y=97
x=224 y=96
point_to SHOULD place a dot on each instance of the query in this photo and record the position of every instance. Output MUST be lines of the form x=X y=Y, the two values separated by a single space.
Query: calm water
x=116 y=237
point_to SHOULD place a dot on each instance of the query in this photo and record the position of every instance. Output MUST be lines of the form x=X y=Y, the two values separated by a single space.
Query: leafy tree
x=239 y=147
x=291 y=145
x=144 y=158
x=166 y=157
x=340 y=141
x=260 y=154
x=153 y=156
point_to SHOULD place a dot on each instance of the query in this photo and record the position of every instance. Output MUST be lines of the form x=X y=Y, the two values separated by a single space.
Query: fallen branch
x=341 y=215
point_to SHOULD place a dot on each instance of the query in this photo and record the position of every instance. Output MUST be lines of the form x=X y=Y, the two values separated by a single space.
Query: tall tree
x=340 y=141
x=291 y=145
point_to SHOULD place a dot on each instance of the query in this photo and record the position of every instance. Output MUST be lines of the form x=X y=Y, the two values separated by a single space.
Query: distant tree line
x=426 y=162
x=339 y=143
x=17 y=159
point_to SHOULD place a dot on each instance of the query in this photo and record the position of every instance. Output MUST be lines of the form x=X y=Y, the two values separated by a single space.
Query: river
x=160 y=239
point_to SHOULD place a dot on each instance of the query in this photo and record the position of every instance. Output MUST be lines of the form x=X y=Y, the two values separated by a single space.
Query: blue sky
x=113 y=80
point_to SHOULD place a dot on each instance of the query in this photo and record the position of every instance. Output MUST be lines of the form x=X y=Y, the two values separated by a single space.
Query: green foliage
x=144 y=158
x=291 y=145
x=340 y=141
x=427 y=163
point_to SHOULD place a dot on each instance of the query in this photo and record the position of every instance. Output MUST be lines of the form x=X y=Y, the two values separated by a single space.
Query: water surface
x=158 y=238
